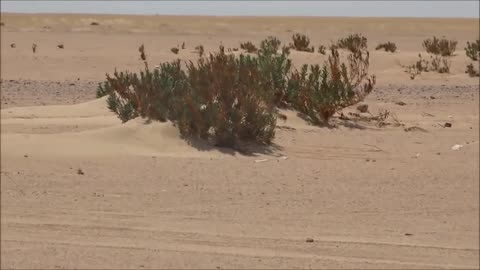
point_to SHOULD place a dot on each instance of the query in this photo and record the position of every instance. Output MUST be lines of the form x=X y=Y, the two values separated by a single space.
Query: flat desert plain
x=81 y=190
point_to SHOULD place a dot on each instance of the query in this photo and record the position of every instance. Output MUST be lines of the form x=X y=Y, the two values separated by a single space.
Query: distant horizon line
x=238 y=16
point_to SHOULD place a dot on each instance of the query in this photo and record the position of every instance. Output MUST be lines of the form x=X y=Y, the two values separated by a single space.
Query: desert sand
x=81 y=190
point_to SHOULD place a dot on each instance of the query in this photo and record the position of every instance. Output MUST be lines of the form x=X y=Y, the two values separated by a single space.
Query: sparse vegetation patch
x=388 y=47
x=301 y=43
x=443 y=46
x=354 y=43
x=248 y=46
x=473 y=50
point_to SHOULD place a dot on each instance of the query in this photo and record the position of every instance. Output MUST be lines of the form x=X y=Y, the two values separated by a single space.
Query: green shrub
x=270 y=44
x=301 y=43
x=473 y=50
x=441 y=47
x=103 y=90
x=275 y=69
x=229 y=99
x=320 y=92
x=123 y=108
x=388 y=47
x=354 y=43
x=249 y=47
x=226 y=101
x=221 y=98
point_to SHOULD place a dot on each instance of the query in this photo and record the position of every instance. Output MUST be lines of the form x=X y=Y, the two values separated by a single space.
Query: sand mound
x=88 y=129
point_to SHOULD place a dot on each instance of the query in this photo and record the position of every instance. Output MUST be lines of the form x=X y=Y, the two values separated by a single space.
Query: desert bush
x=228 y=99
x=354 y=43
x=141 y=49
x=175 y=50
x=200 y=50
x=275 y=69
x=34 y=47
x=221 y=98
x=94 y=23
x=123 y=108
x=271 y=44
x=441 y=47
x=103 y=89
x=227 y=102
x=248 y=46
x=60 y=46
x=440 y=64
x=471 y=71
x=2 y=24
x=301 y=43
x=388 y=47
x=320 y=92
x=322 y=49
x=473 y=50
x=150 y=94
x=235 y=49
x=13 y=45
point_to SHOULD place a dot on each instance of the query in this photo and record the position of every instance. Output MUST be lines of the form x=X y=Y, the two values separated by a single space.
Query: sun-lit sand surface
x=369 y=197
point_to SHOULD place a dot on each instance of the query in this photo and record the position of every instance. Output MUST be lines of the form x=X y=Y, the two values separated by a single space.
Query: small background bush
x=473 y=50
x=353 y=43
x=248 y=46
x=388 y=47
x=301 y=43
x=441 y=46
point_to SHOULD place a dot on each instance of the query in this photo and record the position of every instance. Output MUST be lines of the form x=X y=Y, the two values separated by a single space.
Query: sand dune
x=82 y=190
x=87 y=129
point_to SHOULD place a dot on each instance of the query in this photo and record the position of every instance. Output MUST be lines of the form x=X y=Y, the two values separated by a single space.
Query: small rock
x=401 y=103
x=457 y=147
x=438 y=153
x=79 y=171
x=449 y=125
x=260 y=160
x=309 y=240
x=363 y=108
x=408 y=234
x=25 y=156
x=432 y=97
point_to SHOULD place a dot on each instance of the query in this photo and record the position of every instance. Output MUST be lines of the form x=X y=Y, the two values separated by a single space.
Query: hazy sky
x=255 y=8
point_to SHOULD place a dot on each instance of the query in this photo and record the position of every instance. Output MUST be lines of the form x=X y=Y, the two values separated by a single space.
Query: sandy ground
x=369 y=197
